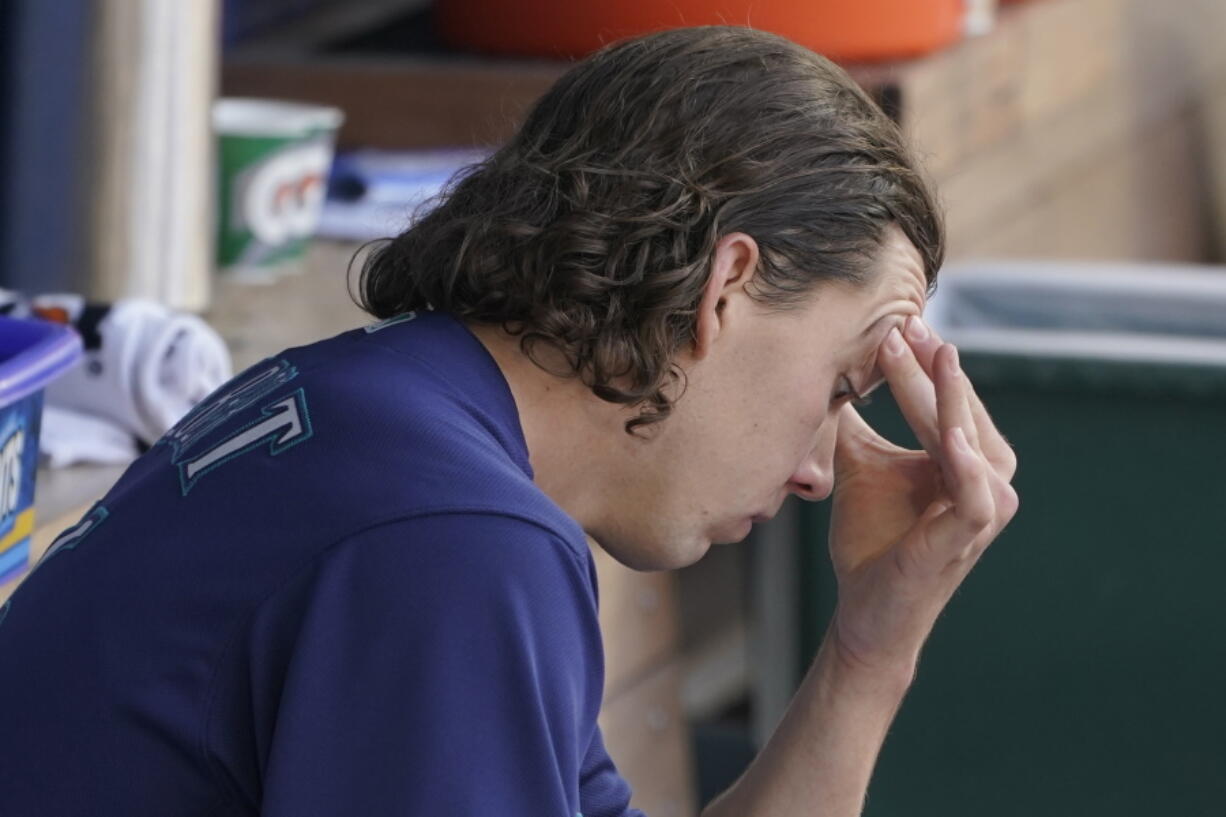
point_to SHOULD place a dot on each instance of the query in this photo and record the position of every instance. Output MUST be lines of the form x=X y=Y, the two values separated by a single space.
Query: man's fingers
x=934 y=395
x=855 y=434
x=953 y=410
x=913 y=390
x=852 y=426
x=957 y=532
x=930 y=350
x=966 y=475
x=925 y=342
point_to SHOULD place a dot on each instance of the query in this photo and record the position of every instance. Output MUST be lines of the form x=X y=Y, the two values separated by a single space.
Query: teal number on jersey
x=283 y=422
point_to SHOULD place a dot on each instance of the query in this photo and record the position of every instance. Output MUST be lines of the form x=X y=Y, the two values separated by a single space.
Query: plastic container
x=32 y=354
x=845 y=30
x=273 y=161
x=1080 y=668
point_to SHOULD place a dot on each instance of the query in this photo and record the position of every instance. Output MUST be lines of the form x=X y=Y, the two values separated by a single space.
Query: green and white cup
x=273 y=158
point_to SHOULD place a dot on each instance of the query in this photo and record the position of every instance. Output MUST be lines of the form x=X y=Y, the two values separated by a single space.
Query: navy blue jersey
x=331 y=589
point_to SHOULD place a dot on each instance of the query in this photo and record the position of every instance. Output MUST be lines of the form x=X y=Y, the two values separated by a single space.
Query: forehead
x=855 y=317
x=897 y=274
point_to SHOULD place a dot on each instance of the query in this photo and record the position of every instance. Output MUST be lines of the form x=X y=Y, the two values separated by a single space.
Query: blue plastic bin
x=32 y=354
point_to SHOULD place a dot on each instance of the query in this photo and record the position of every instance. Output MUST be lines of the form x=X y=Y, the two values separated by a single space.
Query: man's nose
x=813 y=480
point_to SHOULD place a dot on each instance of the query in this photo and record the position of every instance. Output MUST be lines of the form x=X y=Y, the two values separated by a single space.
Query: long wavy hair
x=593 y=229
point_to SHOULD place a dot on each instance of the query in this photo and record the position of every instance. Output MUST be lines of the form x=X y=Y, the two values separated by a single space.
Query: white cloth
x=69 y=437
x=152 y=366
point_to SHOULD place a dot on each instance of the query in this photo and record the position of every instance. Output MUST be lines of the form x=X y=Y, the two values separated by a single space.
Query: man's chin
x=676 y=557
x=732 y=533
x=658 y=555
x=665 y=548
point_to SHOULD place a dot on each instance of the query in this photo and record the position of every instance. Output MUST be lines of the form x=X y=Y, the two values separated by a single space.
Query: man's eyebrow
x=874 y=324
x=868 y=330
x=876 y=382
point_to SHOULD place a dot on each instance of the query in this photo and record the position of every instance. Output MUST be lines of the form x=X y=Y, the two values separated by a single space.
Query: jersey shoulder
x=326 y=439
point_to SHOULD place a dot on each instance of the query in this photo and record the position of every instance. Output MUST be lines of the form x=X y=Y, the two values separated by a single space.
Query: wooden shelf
x=1076 y=128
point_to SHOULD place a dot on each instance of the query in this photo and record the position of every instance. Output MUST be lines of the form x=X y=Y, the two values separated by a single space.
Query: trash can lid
x=1147 y=313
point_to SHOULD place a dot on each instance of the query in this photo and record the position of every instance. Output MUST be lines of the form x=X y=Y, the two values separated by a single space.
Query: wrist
x=850 y=668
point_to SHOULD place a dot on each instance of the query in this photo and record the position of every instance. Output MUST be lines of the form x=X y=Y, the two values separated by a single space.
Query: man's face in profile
x=759 y=416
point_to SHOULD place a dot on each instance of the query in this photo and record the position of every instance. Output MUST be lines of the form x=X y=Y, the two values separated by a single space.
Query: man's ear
x=732 y=266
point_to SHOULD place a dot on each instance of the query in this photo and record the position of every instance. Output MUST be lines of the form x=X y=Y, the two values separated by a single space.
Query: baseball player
x=355 y=581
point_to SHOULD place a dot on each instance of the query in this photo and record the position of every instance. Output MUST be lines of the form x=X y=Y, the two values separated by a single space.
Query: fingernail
x=916 y=330
x=893 y=342
x=960 y=440
x=957 y=359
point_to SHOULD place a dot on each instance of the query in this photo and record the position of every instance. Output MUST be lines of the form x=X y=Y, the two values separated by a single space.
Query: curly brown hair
x=592 y=230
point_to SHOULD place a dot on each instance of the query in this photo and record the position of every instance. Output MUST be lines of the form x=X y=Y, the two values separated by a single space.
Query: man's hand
x=907 y=526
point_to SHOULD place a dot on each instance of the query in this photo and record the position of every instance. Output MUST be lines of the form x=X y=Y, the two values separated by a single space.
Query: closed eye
x=856 y=399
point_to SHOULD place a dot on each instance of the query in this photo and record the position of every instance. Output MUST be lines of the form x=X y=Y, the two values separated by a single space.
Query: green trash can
x=1081 y=669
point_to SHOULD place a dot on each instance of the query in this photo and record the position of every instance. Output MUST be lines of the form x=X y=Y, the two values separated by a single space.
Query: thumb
x=854 y=436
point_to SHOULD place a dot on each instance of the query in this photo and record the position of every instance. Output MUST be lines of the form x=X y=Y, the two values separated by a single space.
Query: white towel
x=148 y=370
x=69 y=437
x=145 y=366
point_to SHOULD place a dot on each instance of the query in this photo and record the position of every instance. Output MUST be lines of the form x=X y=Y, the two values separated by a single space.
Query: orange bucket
x=847 y=30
